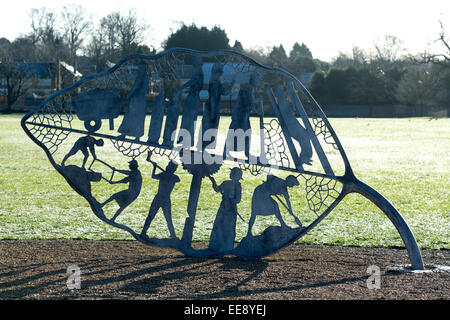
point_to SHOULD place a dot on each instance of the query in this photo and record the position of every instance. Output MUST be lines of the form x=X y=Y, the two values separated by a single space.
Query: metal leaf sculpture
x=238 y=118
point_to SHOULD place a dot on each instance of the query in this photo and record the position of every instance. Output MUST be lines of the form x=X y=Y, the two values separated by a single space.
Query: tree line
x=384 y=75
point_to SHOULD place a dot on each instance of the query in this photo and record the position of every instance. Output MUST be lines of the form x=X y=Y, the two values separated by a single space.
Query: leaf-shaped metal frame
x=350 y=184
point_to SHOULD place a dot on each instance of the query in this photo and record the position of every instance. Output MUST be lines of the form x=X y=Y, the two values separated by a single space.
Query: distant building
x=44 y=77
x=38 y=70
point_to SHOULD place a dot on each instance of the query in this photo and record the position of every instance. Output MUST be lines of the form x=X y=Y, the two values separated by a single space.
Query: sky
x=327 y=27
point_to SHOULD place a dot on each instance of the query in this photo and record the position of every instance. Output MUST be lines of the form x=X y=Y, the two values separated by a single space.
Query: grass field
x=407 y=160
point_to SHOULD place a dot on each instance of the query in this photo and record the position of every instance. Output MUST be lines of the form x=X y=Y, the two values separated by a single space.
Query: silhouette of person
x=240 y=117
x=134 y=118
x=125 y=197
x=81 y=178
x=264 y=205
x=154 y=131
x=167 y=180
x=192 y=103
x=83 y=144
x=296 y=130
x=211 y=111
x=171 y=123
x=224 y=228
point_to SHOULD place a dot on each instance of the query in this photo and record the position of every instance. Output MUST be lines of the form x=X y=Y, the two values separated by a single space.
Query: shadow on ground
x=131 y=270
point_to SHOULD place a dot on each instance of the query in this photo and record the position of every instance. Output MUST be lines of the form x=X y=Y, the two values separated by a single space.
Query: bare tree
x=357 y=58
x=45 y=36
x=122 y=34
x=390 y=50
x=131 y=32
x=96 y=49
x=15 y=75
x=108 y=31
x=442 y=58
x=75 y=25
x=43 y=25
